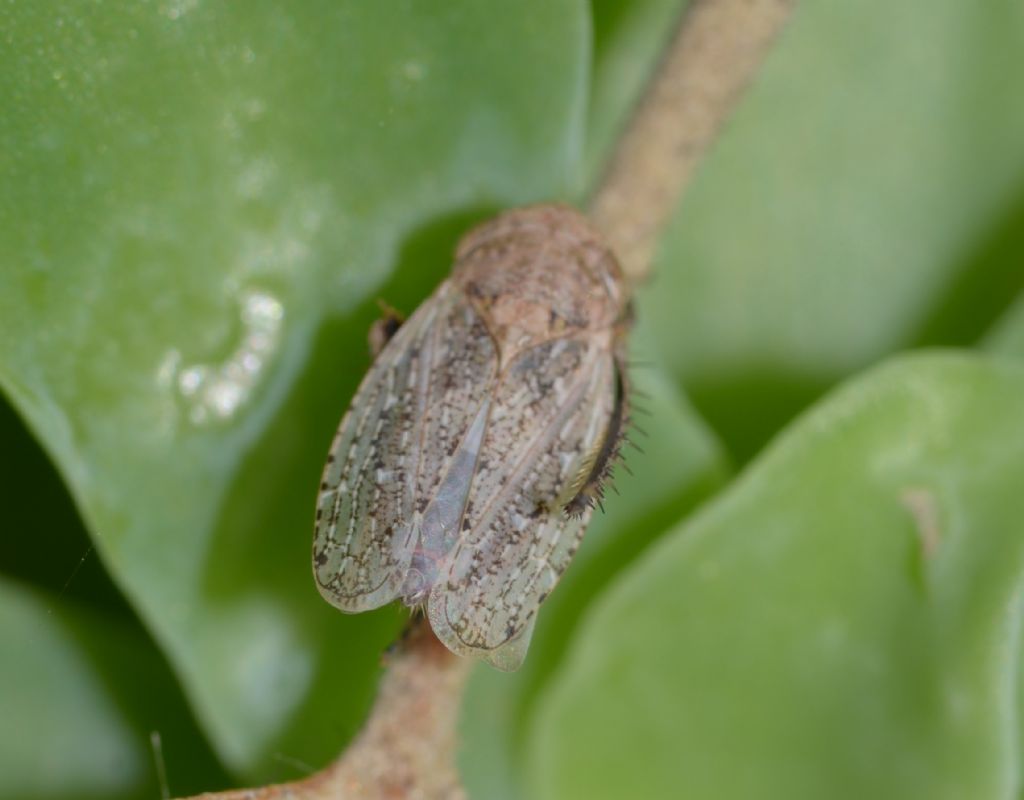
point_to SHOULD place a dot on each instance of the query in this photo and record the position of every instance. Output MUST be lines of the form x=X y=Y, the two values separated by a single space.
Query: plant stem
x=407 y=747
x=715 y=53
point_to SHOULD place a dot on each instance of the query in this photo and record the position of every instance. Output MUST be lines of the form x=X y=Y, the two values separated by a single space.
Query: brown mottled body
x=539 y=274
x=462 y=477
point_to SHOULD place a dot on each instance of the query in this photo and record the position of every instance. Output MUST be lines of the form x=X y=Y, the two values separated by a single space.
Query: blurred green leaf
x=198 y=205
x=681 y=465
x=843 y=622
x=80 y=697
x=44 y=542
x=867 y=195
x=1007 y=337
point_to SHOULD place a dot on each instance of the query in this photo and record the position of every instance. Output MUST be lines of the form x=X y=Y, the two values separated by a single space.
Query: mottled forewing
x=550 y=412
x=462 y=377
x=458 y=393
x=366 y=511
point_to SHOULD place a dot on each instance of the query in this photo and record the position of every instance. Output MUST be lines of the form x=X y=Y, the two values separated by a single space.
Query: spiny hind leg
x=599 y=464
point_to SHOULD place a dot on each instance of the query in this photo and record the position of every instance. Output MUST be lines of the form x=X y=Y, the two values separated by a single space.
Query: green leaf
x=843 y=622
x=867 y=195
x=681 y=465
x=1007 y=336
x=80 y=697
x=44 y=542
x=82 y=686
x=198 y=205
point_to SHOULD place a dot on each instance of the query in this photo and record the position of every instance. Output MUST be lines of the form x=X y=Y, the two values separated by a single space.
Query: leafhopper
x=464 y=474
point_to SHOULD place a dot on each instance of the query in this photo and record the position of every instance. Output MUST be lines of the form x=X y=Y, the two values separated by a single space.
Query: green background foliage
x=805 y=588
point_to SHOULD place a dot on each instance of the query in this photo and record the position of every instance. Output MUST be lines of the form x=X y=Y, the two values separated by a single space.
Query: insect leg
x=384 y=328
x=598 y=464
